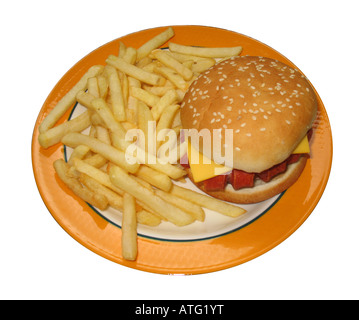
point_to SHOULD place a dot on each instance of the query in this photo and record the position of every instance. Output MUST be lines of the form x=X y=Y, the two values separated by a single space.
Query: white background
x=41 y=40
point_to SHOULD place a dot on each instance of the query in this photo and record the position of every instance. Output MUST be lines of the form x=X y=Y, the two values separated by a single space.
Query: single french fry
x=102 y=86
x=55 y=134
x=92 y=87
x=129 y=228
x=121 y=179
x=154 y=43
x=116 y=94
x=125 y=88
x=206 y=52
x=130 y=55
x=107 y=151
x=144 y=118
x=68 y=99
x=167 y=116
x=207 y=201
x=122 y=49
x=97 y=200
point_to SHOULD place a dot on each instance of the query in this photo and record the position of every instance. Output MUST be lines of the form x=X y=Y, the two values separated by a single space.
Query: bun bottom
x=261 y=190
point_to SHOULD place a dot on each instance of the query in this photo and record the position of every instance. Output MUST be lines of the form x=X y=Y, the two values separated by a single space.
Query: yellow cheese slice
x=303 y=146
x=206 y=168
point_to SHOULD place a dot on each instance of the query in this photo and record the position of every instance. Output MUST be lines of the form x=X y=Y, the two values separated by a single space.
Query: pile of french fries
x=134 y=87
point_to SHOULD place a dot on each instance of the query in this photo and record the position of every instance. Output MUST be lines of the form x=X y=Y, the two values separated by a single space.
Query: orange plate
x=182 y=257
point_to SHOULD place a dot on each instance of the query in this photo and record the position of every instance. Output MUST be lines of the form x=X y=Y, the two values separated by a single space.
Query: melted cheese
x=207 y=168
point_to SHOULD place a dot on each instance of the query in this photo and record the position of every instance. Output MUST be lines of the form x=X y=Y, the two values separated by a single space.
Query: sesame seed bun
x=269 y=105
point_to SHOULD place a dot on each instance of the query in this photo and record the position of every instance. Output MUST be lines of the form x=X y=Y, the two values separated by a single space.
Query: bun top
x=269 y=105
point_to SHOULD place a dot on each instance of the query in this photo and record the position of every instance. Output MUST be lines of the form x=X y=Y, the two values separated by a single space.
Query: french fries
x=109 y=152
x=68 y=100
x=96 y=199
x=136 y=88
x=124 y=181
x=55 y=134
x=133 y=71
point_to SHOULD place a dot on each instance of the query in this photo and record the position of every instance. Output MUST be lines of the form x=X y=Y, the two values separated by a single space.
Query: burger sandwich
x=267 y=108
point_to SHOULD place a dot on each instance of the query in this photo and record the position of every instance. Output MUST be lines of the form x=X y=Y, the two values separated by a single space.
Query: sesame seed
x=287 y=121
x=262 y=129
x=248 y=134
